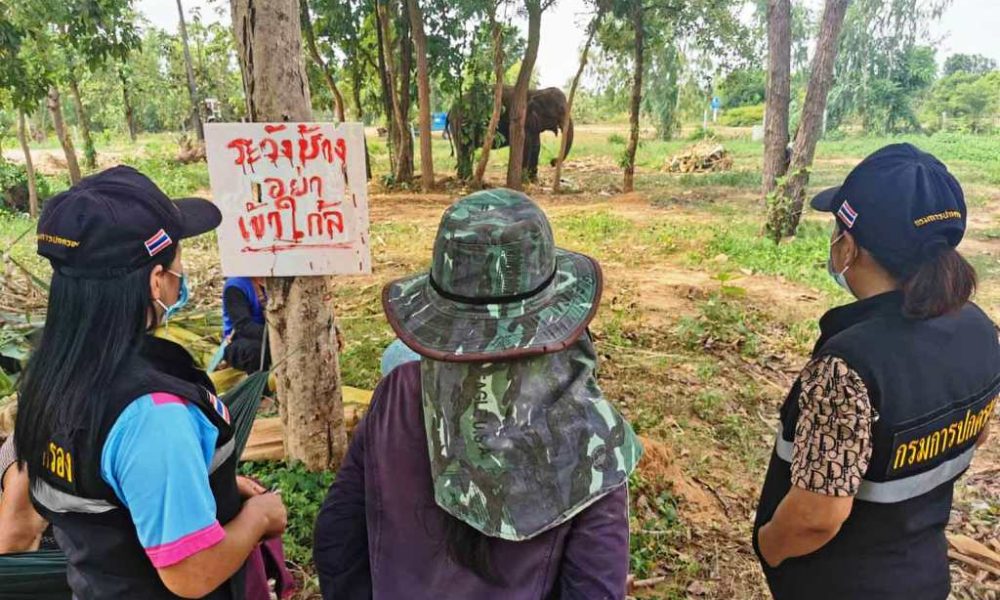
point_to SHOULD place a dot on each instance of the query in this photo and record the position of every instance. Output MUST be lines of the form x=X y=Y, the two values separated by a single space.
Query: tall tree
x=307 y=29
x=82 y=118
x=398 y=83
x=423 y=93
x=779 y=64
x=127 y=105
x=518 y=108
x=29 y=165
x=25 y=86
x=496 y=33
x=199 y=129
x=883 y=65
x=637 y=17
x=595 y=23
x=300 y=318
x=785 y=205
x=54 y=104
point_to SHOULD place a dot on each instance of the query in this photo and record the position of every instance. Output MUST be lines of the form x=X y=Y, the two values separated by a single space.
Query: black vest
x=90 y=523
x=933 y=384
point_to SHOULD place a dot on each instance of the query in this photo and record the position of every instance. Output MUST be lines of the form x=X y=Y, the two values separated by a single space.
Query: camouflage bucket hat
x=498 y=287
x=519 y=447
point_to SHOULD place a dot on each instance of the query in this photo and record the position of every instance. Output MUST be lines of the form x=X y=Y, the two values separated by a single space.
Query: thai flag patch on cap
x=847 y=214
x=158 y=243
x=220 y=407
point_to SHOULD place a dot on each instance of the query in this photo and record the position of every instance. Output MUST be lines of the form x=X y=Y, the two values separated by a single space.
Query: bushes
x=743 y=116
x=14 y=186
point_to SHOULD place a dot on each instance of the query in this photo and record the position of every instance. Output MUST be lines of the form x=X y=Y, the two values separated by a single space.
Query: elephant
x=546 y=110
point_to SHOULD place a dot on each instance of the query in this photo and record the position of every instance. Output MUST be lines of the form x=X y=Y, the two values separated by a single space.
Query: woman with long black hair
x=130 y=455
x=493 y=467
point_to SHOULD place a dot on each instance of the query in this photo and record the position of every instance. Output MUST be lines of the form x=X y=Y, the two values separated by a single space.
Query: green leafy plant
x=303 y=493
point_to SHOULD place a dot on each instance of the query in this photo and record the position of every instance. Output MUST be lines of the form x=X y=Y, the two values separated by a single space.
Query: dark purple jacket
x=380 y=534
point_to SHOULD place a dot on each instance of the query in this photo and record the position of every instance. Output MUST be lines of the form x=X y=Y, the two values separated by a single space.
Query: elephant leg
x=533 y=147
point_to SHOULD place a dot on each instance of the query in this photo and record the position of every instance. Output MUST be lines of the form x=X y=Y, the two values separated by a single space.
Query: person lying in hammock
x=243 y=301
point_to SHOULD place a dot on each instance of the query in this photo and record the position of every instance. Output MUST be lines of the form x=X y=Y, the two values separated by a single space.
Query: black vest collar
x=840 y=318
x=173 y=359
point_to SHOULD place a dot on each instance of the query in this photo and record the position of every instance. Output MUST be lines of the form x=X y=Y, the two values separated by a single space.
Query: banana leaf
x=42 y=575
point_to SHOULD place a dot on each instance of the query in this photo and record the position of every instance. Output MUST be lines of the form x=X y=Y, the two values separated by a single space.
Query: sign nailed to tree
x=293 y=197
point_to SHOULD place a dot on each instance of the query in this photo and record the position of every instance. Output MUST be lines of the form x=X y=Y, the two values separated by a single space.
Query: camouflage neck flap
x=519 y=447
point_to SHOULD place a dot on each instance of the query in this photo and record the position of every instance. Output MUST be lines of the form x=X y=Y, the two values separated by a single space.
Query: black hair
x=92 y=327
x=940 y=285
x=470 y=549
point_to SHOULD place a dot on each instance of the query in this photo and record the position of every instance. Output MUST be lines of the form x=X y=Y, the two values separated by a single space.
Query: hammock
x=42 y=575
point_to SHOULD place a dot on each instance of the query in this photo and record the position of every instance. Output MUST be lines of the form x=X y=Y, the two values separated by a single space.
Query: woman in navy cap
x=888 y=413
x=129 y=453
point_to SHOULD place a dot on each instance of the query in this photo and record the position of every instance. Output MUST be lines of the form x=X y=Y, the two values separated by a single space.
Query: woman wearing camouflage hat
x=493 y=467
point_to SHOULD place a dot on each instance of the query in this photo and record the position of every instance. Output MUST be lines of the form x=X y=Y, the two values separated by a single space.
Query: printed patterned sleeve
x=833 y=439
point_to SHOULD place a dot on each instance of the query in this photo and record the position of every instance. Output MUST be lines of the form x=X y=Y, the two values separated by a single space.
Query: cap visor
x=823 y=201
x=444 y=330
x=198 y=216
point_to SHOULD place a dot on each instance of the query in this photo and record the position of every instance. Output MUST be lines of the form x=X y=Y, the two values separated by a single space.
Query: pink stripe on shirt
x=166 y=555
x=164 y=398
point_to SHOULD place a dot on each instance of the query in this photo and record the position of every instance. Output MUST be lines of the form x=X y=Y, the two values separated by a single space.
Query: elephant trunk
x=569 y=141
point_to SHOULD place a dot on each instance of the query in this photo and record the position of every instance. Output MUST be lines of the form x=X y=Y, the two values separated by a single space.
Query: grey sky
x=968 y=26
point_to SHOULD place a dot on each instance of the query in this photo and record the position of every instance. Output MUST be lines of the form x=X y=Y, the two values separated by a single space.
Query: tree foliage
x=976 y=64
x=883 y=67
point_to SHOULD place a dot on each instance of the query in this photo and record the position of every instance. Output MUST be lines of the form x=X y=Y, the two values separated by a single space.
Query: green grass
x=801 y=259
x=749 y=179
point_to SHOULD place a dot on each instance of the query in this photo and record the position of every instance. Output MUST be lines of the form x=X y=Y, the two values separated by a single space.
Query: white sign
x=293 y=196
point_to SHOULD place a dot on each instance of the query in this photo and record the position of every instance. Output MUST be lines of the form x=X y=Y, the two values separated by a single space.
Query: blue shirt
x=156 y=458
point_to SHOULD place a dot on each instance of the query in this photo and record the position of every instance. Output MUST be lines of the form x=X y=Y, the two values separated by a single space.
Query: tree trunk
x=55 y=108
x=779 y=59
x=404 y=165
x=638 y=20
x=199 y=129
x=359 y=112
x=300 y=319
x=785 y=212
x=387 y=91
x=564 y=137
x=307 y=28
x=424 y=94
x=518 y=109
x=404 y=142
x=498 y=76
x=29 y=165
x=89 y=152
x=127 y=104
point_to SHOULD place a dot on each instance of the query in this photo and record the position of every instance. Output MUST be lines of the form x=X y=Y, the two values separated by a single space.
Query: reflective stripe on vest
x=59 y=501
x=888 y=492
x=222 y=454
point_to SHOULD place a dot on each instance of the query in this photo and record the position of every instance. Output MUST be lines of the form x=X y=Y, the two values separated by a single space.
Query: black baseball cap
x=117 y=221
x=901 y=204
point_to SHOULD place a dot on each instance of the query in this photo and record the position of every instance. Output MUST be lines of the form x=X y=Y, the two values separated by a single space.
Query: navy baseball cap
x=115 y=222
x=901 y=204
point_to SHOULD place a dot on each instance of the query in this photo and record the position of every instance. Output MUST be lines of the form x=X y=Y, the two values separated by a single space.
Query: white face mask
x=838 y=276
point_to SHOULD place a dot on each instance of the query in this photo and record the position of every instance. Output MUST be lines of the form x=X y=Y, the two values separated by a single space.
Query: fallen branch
x=646 y=583
x=954 y=555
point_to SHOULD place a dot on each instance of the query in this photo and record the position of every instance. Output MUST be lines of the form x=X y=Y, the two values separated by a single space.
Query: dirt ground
x=711 y=464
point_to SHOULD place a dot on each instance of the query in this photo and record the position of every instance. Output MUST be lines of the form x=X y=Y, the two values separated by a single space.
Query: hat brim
x=198 y=216
x=450 y=331
x=825 y=200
